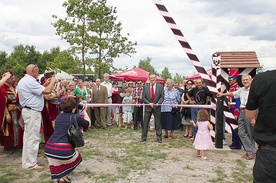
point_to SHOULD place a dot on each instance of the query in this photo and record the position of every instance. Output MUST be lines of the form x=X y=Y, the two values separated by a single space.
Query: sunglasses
x=139 y=83
x=34 y=67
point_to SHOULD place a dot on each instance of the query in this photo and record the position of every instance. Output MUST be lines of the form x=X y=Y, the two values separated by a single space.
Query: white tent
x=64 y=75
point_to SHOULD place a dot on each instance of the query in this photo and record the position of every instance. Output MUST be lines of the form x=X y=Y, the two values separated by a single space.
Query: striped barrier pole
x=186 y=47
x=188 y=50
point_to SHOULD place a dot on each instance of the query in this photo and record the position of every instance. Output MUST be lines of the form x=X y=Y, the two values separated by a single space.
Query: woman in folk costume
x=63 y=158
x=8 y=116
x=51 y=108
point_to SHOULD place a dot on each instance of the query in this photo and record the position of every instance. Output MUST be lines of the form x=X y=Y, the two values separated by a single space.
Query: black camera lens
x=11 y=74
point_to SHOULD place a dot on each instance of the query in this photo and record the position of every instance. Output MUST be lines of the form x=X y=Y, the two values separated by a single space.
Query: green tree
x=47 y=57
x=3 y=60
x=145 y=64
x=20 y=58
x=90 y=28
x=178 y=78
x=64 y=61
x=165 y=74
x=32 y=56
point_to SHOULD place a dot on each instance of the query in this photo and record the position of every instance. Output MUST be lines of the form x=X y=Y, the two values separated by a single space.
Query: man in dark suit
x=100 y=96
x=153 y=94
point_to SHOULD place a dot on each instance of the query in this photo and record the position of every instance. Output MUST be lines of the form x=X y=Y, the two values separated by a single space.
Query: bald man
x=30 y=94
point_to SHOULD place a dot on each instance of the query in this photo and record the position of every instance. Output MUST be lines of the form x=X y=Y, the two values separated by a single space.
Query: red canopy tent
x=115 y=78
x=133 y=75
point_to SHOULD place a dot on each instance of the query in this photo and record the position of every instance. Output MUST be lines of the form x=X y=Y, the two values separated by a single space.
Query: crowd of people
x=36 y=111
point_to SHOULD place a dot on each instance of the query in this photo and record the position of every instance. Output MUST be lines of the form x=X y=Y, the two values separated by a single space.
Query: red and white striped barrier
x=212 y=83
x=186 y=47
x=173 y=105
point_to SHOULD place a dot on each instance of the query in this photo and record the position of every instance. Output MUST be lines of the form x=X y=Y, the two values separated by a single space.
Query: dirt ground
x=104 y=158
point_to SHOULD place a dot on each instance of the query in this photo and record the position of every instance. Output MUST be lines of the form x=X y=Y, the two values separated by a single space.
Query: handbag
x=74 y=133
x=188 y=113
x=174 y=111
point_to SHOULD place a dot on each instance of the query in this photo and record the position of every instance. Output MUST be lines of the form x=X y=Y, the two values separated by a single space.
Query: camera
x=80 y=106
x=11 y=73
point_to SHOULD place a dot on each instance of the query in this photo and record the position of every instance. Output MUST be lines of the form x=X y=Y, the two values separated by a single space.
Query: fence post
x=219 y=123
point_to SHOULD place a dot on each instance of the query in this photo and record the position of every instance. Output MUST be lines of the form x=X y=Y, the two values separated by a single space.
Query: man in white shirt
x=30 y=94
x=245 y=129
x=108 y=86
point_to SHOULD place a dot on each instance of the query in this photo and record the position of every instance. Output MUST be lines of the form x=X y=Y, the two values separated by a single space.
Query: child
x=203 y=140
x=127 y=110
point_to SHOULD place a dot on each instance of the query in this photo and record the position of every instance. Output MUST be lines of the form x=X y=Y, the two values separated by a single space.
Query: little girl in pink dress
x=203 y=140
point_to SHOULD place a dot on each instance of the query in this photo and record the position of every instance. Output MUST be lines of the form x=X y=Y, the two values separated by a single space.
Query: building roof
x=239 y=59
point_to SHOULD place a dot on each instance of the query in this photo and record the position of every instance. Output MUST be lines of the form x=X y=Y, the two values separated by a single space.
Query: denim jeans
x=194 y=118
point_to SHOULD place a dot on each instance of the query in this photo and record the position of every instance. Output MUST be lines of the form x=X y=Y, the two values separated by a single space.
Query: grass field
x=117 y=155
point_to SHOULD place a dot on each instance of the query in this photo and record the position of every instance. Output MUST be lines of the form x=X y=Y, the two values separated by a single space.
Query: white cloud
x=208 y=26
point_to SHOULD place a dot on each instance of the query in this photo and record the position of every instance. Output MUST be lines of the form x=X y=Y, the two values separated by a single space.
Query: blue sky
x=208 y=26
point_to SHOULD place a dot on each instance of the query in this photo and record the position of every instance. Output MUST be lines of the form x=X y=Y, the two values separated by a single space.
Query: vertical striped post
x=216 y=70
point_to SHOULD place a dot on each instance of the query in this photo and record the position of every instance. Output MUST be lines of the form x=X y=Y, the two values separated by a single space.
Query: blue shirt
x=170 y=97
x=127 y=100
x=30 y=93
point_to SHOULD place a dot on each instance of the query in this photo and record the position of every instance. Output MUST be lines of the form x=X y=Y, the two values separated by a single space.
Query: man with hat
x=234 y=105
x=51 y=109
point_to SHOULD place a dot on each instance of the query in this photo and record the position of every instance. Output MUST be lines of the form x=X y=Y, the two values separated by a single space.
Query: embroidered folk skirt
x=62 y=158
